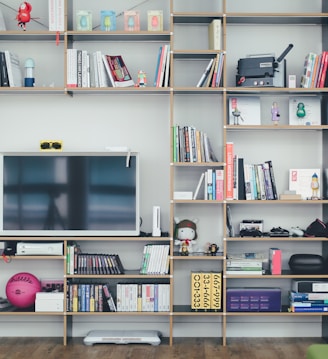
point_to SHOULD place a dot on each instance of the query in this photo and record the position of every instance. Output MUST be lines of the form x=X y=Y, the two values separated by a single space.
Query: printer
x=262 y=70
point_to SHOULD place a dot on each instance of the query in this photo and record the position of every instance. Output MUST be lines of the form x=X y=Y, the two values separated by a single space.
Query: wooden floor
x=187 y=348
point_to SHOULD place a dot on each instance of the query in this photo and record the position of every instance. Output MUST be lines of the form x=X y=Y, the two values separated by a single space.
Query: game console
x=156 y=221
x=123 y=337
x=39 y=248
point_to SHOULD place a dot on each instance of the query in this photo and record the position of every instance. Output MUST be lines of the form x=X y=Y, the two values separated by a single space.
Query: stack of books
x=92 y=264
x=206 y=291
x=155 y=259
x=98 y=70
x=191 y=145
x=308 y=302
x=244 y=266
x=212 y=74
x=249 y=181
x=213 y=185
x=315 y=70
x=162 y=72
x=89 y=297
x=142 y=297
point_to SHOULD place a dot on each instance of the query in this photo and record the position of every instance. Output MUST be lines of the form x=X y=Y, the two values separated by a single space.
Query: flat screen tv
x=87 y=194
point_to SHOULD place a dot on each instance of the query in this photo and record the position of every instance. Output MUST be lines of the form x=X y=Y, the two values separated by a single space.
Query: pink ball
x=21 y=289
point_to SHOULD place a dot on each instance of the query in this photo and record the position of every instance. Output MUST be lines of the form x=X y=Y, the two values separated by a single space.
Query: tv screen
x=92 y=194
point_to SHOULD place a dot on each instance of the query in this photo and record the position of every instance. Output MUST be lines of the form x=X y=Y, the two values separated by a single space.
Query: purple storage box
x=253 y=299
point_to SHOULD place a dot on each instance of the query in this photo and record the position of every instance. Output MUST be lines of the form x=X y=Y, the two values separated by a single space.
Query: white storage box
x=49 y=302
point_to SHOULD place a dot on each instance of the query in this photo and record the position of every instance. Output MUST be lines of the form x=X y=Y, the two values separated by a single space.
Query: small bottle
x=29 y=73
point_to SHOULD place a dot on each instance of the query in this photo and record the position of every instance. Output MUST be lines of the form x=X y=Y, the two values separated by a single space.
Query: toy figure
x=236 y=116
x=212 y=249
x=24 y=14
x=131 y=23
x=275 y=113
x=142 y=79
x=107 y=23
x=315 y=186
x=154 y=22
x=300 y=112
x=185 y=235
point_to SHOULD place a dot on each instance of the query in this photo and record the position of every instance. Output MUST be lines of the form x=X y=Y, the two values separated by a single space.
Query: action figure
x=236 y=116
x=275 y=113
x=315 y=186
x=24 y=14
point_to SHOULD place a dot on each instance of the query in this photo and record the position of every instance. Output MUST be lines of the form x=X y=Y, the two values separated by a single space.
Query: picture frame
x=155 y=20
x=84 y=20
x=107 y=20
x=131 y=21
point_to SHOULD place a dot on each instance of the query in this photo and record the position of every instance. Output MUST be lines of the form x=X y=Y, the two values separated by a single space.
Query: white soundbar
x=41 y=249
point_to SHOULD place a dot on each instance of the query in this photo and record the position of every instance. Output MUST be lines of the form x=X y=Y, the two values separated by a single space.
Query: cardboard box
x=253 y=299
x=49 y=302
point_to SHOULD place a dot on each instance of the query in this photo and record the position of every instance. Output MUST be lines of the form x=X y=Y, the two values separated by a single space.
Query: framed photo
x=155 y=20
x=107 y=20
x=84 y=20
x=131 y=21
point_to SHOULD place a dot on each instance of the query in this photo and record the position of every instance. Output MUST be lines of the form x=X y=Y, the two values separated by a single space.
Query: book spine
x=52 y=10
x=157 y=65
x=71 y=68
x=273 y=181
x=206 y=284
x=229 y=170
x=196 y=291
x=219 y=187
x=205 y=74
x=306 y=309
x=216 y=291
x=214 y=35
x=3 y=69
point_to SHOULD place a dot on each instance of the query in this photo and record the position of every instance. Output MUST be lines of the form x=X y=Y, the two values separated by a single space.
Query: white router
x=123 y=337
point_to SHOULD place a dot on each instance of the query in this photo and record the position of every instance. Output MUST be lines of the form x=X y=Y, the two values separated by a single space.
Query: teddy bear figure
x=185 y=235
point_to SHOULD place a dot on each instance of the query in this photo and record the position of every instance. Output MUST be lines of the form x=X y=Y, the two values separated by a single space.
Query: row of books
x=136 y=297
x=213 y=180
x=99 y=69
x=206 y=291
x=308 y=302
x=11 y=73
x=161 y=78
x=155 y=259
x=315 y=70
x=212 y=74
x=248 y=181
x=89 y=297
x=245 y=266
x=143 y=297
x=191 y=145
x=93 y=264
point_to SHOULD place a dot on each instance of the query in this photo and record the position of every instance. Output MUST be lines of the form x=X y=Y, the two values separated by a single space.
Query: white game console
x=122 y=337
x=156 y=221
x=39 y=248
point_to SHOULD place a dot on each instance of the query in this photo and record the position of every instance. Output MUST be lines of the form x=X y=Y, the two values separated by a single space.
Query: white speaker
x=156 y=221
